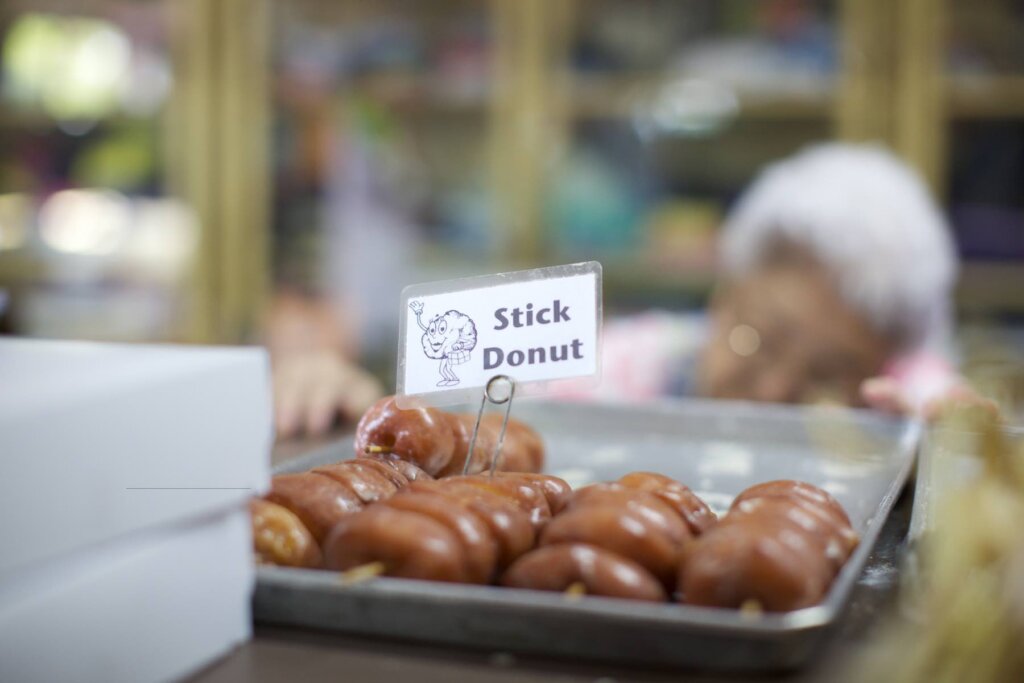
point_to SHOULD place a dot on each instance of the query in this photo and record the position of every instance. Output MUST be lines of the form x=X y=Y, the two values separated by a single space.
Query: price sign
x=534 y=326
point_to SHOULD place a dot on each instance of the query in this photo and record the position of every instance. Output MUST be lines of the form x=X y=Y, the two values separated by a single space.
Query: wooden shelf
x=661 y=284
x=986 y=97
x=36 y=120
x=421 y=93
x=596 y=97
x=633 y=273
x=19 y=269
x=991 y=287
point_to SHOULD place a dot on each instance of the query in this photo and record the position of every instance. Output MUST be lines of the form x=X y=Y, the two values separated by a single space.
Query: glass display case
x=130 y=169
x=164 y=165
x=435 y=139
x=983 y=63
x=380 y=139
x=673 y=107
x=91 y=243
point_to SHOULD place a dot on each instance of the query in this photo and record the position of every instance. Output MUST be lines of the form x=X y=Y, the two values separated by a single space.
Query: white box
x=124 y=477
x=100 y=440
x=150 y=607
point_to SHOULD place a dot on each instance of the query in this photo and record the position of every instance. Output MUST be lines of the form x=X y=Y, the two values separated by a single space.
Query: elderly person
x=838 y=267
x=836 y=274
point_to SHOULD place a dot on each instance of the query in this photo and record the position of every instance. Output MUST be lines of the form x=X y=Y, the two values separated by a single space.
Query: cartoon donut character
x=448 y=337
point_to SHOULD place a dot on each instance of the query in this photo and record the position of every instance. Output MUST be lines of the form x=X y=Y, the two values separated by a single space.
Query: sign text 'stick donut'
x=535 y=326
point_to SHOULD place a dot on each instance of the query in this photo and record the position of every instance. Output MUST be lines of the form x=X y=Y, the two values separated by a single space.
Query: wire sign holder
x=489 y=395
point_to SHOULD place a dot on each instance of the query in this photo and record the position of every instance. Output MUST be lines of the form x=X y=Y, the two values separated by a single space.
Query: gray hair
x=868 y=218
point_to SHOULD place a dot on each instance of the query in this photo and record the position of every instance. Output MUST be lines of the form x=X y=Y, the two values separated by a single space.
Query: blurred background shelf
x=347 y=147
x=985 y=287
x=609 y=97
x=413 y=93
x=21 y=270
x=988 y=96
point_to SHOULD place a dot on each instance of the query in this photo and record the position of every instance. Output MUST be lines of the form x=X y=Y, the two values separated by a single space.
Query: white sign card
x=535 y=326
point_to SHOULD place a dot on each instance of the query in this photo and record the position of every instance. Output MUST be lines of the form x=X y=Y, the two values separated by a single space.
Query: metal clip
x=489 y=396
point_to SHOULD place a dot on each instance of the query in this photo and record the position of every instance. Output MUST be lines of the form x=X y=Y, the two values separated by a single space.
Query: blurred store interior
x=166 y=166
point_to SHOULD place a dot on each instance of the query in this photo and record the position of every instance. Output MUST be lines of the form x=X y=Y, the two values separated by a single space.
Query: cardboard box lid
x=99 y=440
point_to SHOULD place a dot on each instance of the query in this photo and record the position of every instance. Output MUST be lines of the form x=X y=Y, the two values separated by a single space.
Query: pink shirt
x=642 y=355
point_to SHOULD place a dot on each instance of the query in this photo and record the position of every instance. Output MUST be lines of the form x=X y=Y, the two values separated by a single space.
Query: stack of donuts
x=463 y=529
x=647 y=537
x=621 y=539
x=404 y=508
x=438 y=442
x=291 y=522
x=778 y=549
x=393 y=447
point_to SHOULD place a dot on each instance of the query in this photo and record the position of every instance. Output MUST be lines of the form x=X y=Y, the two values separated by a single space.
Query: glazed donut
x=791 y=489
x=509 y=526
x=408 y=471
x=694 y=511
x=423 y=436
x=522 y=450
x=364 y=479
x=392 y=470
x=556 y=491
x=527 y=495
x=619 y=530
x=631 y=522
x=486 y=525
x=781 y=545
x=838 y=541
x=737 y=563
x=512 y=495
x=462 y=430
x=409 y=544
x=813 y=500
x=279 y=537
x=649 y=507
x=318 y=499
x=604 y=573
x=479 y=545
x=438 y=442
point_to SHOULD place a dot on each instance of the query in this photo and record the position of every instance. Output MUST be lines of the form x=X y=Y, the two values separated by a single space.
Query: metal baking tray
x=950 y=458
x=718 y=449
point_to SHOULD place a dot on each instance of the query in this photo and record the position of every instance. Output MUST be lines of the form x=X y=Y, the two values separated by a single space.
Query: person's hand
x=886 y=394
x=313 y=389
x=314 y=383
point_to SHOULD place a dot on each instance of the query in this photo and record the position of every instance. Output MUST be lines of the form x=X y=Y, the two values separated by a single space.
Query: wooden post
x=921 y=122
x=217 y=151
x=864 y=112
x=528 y=116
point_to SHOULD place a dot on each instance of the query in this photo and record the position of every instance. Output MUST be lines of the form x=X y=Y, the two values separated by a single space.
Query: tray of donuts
x=697 y=533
